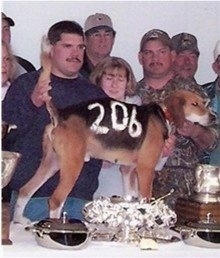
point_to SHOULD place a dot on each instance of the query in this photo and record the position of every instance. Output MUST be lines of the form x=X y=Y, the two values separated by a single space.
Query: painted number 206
x=134 y=126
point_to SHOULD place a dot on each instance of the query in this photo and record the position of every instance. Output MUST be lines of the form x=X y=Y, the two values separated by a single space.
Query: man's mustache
x=73 y=59
x=155 y=63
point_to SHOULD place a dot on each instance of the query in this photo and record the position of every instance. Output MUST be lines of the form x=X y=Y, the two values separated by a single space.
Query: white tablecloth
x=25 y=246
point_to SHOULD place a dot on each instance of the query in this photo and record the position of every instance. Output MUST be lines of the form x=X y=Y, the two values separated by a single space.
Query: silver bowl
x=201 y=234
x=9 y=163
x=61 y=234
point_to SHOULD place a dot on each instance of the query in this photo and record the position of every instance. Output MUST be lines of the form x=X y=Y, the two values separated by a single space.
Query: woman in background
x=115 y=76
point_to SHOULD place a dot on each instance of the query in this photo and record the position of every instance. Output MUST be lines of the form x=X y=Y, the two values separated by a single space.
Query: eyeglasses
x=98 y=34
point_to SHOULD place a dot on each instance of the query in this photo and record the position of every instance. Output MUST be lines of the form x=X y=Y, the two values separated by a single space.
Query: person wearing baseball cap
x=187 y=55
x=156 y=56
x=23 y=64
x=213 y=91
x=181 y=150
x=99 y=39
x=7 y=22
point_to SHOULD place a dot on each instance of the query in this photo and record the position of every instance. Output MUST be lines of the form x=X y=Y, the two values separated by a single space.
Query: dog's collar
x=169 y=119
x=168 y=115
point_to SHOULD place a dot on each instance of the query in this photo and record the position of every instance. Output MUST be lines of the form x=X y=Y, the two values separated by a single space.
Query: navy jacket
x=18 y=109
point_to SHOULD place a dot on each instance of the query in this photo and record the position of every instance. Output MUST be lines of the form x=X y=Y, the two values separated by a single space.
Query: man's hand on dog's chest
x=189 y=129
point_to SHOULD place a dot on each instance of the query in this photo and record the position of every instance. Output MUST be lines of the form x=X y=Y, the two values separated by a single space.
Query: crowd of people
x=83 y=69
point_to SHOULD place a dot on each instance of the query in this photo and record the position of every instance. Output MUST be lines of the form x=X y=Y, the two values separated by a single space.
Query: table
x=25 y=246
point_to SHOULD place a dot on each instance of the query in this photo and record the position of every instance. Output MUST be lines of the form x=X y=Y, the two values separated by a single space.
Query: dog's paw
x=22 y=220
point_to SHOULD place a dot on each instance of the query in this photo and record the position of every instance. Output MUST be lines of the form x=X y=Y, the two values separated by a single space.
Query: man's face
x=6 y=32
x=216 y=66
x=186 y=64
x=6 y=64
x=100 y=43
x=156 y=59
x=67 y=55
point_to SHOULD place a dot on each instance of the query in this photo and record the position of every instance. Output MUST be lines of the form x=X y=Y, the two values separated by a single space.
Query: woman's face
x=114 y=82
x=6 y=65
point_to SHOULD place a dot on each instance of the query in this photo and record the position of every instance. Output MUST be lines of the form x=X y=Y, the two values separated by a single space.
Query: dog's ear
x=174 y=106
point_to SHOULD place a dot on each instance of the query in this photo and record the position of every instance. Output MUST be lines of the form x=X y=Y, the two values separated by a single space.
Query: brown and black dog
x=105 y=129
x=110 y=130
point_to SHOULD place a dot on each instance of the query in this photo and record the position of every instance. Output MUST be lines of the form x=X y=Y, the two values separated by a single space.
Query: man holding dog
x=183 y=147
x=24 y=106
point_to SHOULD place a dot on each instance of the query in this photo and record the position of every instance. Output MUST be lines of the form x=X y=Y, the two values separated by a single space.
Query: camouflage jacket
x=186 y=153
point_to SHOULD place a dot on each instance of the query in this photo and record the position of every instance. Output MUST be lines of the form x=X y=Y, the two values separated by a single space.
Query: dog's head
x=185 y=104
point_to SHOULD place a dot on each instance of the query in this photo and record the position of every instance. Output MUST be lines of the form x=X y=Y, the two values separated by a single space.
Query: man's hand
x=169 y=146
x=189 y=129
x=202 y=136
x=40 y=94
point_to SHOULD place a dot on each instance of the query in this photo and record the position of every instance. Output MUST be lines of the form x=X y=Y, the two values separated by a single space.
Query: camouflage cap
x=8 y=19
x=185 y=41
x=156 y=34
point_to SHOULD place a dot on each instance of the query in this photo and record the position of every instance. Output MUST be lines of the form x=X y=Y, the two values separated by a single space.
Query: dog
x=110 y=130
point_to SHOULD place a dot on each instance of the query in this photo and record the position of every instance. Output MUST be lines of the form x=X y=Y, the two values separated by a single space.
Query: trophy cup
x=205 y=201
x=199 y=214
x=9 y=163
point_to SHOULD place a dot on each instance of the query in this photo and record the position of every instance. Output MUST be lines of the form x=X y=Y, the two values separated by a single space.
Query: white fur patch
x=202 y=120
x=45 y=45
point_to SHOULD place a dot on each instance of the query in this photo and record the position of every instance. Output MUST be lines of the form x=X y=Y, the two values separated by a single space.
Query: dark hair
x=55 y=31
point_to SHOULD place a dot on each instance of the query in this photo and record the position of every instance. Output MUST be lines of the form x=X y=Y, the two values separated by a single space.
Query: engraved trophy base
x=6 y=224
x=189 y=209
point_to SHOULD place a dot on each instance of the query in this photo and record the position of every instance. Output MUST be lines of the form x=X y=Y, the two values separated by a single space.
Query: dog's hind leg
x=48 y=167
x=70 y=146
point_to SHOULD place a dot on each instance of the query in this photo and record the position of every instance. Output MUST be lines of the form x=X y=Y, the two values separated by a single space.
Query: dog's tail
x=45 y=59
x=45 y=75
x=54 y=116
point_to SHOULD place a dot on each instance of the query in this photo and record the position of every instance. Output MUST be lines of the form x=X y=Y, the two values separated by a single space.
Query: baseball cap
x=216 y=51
x=10 y=21
x=156 y=34
x=98 y=20
x=185 y=41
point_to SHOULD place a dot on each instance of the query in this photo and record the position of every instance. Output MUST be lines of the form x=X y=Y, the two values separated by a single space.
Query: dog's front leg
x=130 y=182
x=148 y=157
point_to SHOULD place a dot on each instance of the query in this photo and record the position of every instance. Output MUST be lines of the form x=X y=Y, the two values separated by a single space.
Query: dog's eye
x=195 y=104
